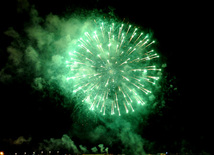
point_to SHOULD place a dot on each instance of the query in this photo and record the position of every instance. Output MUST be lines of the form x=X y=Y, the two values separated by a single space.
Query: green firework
x=114 y=67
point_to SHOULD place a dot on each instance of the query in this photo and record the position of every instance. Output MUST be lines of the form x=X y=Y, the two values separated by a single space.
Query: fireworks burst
x=114 y=67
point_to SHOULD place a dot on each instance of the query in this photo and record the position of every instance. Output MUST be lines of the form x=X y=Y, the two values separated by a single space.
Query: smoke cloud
x=39 y=58
x=20 y=140
x=66 y=143
x=55 y=144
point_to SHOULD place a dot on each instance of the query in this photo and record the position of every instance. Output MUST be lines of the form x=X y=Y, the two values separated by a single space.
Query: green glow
x=114 y=69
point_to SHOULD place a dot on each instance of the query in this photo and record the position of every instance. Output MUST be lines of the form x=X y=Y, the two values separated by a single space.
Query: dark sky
x=181 y=125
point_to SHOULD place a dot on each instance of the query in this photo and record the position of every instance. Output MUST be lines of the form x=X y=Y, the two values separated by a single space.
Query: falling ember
x=114 y=68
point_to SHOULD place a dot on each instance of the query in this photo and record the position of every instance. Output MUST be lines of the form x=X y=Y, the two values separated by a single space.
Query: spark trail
x=114 y=67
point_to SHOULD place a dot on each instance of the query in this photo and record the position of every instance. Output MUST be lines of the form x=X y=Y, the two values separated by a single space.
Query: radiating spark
x=128 y=29
x=138 y=37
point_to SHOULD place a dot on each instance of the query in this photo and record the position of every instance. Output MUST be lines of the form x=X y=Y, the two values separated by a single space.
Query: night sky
x=36 y=114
